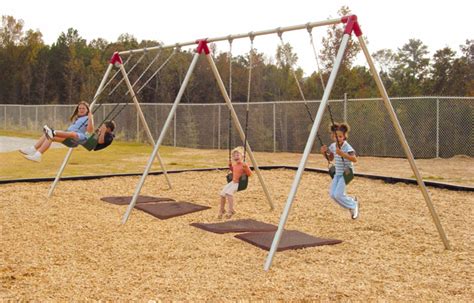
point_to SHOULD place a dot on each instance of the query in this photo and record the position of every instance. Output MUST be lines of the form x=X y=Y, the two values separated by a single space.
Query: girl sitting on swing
x=340 y=150
x=238 y=168
x=82 y=122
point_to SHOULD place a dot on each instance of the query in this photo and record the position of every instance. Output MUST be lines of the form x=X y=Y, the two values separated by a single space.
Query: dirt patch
x=8 y=144
x=73 y=247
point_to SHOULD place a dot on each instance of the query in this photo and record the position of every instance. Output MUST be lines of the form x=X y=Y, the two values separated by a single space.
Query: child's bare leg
x=44 y=146
x=231 y=206
x=222 y=208
x=40 y=142
x=63 y=134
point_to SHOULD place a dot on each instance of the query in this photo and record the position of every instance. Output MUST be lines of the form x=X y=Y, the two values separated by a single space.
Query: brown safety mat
x=125 y=200
x=166 y=210
x=290 y=239
x=237 y=226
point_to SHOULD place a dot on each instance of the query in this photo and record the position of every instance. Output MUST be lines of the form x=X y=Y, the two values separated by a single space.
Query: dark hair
x=110 y=124
x=343 y=127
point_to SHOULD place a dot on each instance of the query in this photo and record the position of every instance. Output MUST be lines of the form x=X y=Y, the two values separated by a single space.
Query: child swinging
x=344 y=155
x=238 y=168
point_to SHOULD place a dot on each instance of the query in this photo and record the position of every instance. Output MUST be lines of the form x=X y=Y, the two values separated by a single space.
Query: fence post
x=5 y=116
x=274 y=127
x=19 y=122
x=345 y=107
x=219 y=126
x=174 y=129
x=437 y=127
x=54 y=115
x=138 y=127
x=36 y=117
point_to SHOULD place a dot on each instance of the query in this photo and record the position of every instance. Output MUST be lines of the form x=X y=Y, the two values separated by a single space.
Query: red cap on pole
x=202 y=47
x=116 y=60
x=352 y=25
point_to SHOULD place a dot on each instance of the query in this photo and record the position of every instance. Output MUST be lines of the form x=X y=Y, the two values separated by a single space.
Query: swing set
x=92 y=139
x=351 y=26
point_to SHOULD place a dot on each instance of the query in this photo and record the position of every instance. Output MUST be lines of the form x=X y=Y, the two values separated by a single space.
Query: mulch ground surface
x=73 y=247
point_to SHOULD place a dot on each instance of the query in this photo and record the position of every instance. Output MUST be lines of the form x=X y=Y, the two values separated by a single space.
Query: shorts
x=229 y=189
x=70 y=142
x=81 y=138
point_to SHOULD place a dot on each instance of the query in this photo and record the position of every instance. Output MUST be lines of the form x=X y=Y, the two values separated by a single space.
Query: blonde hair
x=74 y=114
x=238 y=149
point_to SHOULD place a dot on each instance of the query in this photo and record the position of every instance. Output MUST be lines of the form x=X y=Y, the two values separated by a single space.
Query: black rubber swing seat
x=90 y=144
x=243 y=181
x=348 y=173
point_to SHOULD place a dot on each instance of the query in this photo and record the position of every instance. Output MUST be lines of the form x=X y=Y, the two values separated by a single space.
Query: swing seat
x=90 y=144
x=348 y=173
x=243 y=181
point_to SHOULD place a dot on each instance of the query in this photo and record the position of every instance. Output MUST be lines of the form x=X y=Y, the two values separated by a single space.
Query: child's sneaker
x=355 y=211
x=30 y=150
x=36 y=157
x=49 y=132
x=220 y=215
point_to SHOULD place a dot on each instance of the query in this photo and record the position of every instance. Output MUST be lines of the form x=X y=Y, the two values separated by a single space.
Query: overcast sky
x=386 y=24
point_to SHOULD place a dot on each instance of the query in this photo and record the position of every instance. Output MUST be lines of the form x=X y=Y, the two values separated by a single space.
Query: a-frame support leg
x=143 y=120
x=160 y=139
x=404 y=142
x=69 y=153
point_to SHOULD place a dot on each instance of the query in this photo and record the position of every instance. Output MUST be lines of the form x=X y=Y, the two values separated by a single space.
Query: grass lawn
x=132 y=157
x=120 y=157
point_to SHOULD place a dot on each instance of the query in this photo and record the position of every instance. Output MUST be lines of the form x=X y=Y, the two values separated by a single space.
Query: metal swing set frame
x=351 y=27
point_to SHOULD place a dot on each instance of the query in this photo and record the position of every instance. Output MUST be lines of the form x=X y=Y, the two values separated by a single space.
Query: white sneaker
x=355 y=211
x=36 y=157
x=49 y=132
x=30 y=150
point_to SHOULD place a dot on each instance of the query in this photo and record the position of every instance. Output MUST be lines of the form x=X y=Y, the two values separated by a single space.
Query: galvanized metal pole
x=274 y=127
x=144 y=123
x=69 y=153
x=437 y=127
x=239 y=36
x=219 y=127
x=345 y=107
x=404 y=142
x=36 y=117
x=160 y=139
x=306 y=153
x=174 y=129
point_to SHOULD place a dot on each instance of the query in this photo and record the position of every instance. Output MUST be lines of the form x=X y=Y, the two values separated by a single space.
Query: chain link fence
x=434 y=126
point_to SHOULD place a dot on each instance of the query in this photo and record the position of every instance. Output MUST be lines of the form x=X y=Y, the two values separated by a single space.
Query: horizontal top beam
x=309 y=26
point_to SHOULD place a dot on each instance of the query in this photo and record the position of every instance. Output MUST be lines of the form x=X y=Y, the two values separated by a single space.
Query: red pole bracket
x=202 y=47
x=116 y=60
x=352 y=25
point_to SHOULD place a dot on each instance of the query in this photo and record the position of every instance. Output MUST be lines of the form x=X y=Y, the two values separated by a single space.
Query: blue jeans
x=338 y=193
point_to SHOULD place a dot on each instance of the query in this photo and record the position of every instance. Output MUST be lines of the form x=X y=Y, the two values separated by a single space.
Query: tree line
x=71 y=69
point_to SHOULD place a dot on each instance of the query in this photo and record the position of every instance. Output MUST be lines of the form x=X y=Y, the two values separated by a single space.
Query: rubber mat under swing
x=290 y=239
x=125 y=200
x=236 y=226
x=166 y=210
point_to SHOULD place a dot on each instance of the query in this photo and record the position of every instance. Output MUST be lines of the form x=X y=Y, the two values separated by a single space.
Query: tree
x=332 y=42
x=11 y=31
x=442 y=70
x=411 y=68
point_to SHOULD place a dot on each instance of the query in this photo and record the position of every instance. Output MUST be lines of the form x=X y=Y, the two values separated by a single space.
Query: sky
x=386 y=24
